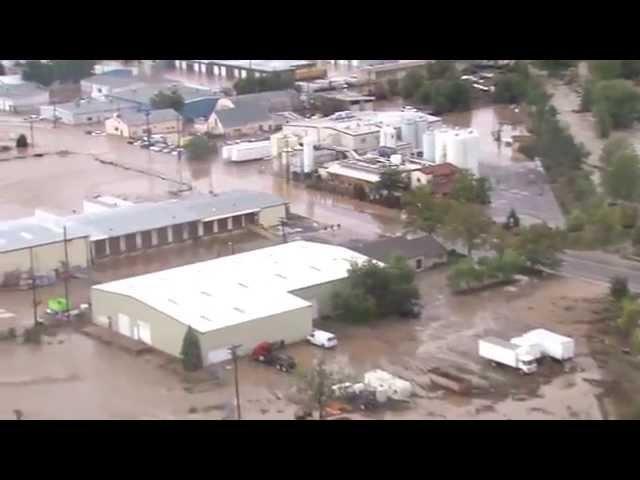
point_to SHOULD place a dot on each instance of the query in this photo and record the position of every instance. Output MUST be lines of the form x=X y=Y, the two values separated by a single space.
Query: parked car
x=322 y=339
x=270 y=353
x=98 y=133
x=155 y=148
x=412 y=310
x=32 y=118
x=167 y=150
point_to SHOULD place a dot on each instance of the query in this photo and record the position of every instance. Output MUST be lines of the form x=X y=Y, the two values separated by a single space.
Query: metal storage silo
x=308 y=162
x=455 y=149
x=440 y=145
x=421 y=127
x=408 y=129
x=472 y=149
x=387 y=136
x=396 y=159
x=428 y=145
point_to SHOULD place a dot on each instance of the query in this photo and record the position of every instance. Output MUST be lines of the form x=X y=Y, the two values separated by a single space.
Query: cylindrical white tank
x=440 y=145
x=408 y=130
x=421 y=127
x=471 y=149
x=455 y=149
x=388 y=136
x=396 y=159
x=428 y=145
x=276 y=144
x=308 y=164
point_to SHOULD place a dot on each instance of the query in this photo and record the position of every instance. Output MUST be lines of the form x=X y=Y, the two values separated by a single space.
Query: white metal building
x=269 y=294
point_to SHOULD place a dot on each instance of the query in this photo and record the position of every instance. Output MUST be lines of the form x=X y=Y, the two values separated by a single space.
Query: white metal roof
x=239 y=288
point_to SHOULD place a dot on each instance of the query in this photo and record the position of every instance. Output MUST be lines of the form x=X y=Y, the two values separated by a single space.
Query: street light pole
x=234 y=355
x=31 y=130
x=66 y=271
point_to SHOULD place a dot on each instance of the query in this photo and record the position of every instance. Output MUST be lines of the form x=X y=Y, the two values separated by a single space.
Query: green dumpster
x=58 y=305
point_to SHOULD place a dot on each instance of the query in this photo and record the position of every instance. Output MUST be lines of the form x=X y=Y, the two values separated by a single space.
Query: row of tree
x=63 y=71
x=625 y=309
x=610 y=94
x=265 y=83
x=439 y=86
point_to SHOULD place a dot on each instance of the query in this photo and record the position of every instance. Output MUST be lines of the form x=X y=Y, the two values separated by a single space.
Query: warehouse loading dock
x=269 y=294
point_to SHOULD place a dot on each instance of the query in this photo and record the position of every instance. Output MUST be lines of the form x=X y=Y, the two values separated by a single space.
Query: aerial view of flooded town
x=319 y=239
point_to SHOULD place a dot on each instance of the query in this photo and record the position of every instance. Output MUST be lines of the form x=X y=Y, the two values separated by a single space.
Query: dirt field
x=72 y=376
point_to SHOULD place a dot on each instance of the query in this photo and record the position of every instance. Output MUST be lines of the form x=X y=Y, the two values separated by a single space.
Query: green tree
x=392 y=183
x=190 y=352
x=556 y=68
x=630 y=69
x=622 y=177
x=540 y=245
x=21 y=141
x=411 y=83
x=464 y=274
x=315 y=384
x=172 y=99
x=393 y=87
x=353 y=306
x=635 y=346
x=510 y=88
x=586 y=101
x=72 y=71
x=628 y=321
x=471 y=189
x=424 y=211
x=442 y=70
x=467 y=223
x=513 y=220
x=606 y=69
x=38 y=72
x=635 y=237
x=423 y=95
x=198 y=148
x=619 y=99
x=604 y=122
x=627 y=216
x=265 y=83
x=576 y=222
x=618 y=288
x=613 y=148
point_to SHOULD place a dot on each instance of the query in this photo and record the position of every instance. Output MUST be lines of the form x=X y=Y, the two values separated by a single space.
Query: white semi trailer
x=505 y=353
x=548 y=343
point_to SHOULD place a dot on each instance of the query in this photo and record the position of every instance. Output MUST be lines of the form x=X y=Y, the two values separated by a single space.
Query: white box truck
x=244 y=152
x=553 y=345
x=505 y=353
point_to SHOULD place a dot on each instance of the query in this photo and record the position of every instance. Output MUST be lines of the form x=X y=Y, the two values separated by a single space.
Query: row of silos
x=457 y=146
x=285 y=149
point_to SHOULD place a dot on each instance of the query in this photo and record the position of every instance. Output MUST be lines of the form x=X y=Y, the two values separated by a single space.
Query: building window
x=363 y=141
x=419 y=264
x=89 y=119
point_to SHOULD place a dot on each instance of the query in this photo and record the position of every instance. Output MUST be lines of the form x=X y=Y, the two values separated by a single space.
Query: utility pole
x=55 y=115
x=66 y=271
x=283 y=224
x=33 y=143
x=33 y=288
x=234 y=355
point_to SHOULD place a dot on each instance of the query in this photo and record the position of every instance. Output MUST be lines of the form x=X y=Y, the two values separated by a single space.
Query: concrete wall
x=167 y=333
x=361 y=142
x=271 y=216
x=46 y=258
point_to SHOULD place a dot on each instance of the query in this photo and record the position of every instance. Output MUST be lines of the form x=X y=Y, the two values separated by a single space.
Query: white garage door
x=217 y=356
x=142 y=332
x=124 y=325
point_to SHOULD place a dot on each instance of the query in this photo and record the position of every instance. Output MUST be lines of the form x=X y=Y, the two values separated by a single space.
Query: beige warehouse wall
x=322 y=295
x=292 y=326
x=166 y=332
x=271 y=216
x=46 y=258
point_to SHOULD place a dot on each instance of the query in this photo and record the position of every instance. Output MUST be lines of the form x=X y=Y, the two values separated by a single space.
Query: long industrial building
x=109 y=228
x=269 y=294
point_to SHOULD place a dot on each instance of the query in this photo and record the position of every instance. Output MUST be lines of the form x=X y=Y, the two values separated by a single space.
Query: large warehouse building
x=112 y=228
x=269 y=294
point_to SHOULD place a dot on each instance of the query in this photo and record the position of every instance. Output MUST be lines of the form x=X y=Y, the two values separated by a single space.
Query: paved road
x=599 y=267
